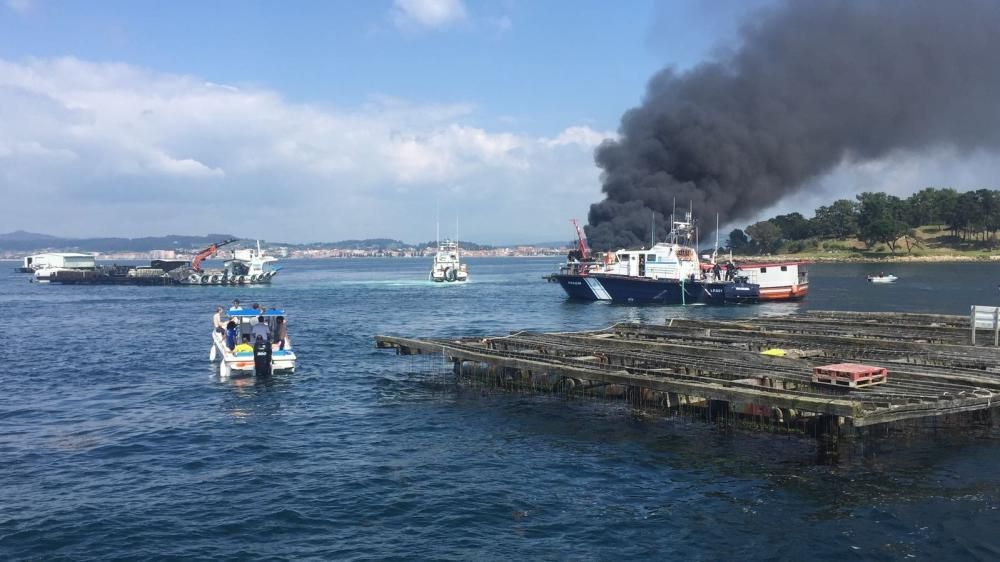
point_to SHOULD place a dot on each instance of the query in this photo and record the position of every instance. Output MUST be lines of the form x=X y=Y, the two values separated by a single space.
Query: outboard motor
x=262 y=357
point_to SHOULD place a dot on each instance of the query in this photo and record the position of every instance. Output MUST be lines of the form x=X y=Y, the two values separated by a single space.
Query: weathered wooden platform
x=933 y=371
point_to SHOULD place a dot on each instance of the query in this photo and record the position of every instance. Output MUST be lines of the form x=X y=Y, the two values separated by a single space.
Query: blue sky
x=539 y=65
x=332 y=120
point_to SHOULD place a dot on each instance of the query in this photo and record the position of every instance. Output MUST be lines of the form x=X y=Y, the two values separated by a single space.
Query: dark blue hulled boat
x=666 y=273
x=626 y=289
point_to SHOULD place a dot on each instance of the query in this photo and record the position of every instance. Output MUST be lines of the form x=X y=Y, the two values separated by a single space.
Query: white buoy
x=211 y=353
x=223 y=369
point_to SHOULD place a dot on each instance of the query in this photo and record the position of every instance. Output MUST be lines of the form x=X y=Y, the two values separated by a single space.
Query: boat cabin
x=662 y=261
x=246 y=318
x=778 y=281
x=65 y=260
x=249 y=262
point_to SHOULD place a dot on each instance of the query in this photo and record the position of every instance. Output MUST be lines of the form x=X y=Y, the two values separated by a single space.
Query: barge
x=249 y=266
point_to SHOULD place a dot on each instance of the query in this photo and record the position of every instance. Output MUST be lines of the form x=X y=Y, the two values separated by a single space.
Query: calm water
x=118 y=440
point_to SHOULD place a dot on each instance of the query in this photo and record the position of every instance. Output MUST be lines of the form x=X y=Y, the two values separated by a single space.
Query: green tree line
x=878 y=218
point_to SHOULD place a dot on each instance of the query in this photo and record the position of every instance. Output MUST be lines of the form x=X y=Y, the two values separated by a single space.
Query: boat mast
x=652 y=231
x=715 y=251
x=673 y=223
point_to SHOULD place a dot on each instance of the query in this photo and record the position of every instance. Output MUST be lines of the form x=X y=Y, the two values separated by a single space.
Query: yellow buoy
x=775 y=352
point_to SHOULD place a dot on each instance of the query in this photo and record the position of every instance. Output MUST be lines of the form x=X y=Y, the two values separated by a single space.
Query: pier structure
x=721 y=366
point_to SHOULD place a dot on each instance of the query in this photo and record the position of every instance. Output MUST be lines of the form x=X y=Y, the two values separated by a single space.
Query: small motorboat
x=882 y=278
x=264 y=358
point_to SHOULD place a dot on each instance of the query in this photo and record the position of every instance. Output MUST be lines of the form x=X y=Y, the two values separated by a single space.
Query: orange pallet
x=852 y=375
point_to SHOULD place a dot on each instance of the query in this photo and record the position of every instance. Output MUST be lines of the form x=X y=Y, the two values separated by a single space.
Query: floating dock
x=720 y=366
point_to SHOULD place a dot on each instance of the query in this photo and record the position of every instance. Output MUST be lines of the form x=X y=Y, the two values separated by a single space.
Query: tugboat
x=447 y=267
x=666 y=273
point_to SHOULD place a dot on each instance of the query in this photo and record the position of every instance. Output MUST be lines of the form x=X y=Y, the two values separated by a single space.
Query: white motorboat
x=882 y=278
x=245 y=362
x=447 y=266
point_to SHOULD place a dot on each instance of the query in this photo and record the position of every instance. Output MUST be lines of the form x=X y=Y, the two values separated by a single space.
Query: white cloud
x=112 y=149
x=21 y=6
x=428 y=14
x=581 y=135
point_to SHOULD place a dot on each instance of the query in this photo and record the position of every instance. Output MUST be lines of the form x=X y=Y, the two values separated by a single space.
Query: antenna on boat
x=652 y=231
x=437 y=223
x=715 y=251
x=673 y=220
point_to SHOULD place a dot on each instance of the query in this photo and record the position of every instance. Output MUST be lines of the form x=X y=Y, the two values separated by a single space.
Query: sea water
x=119 y=441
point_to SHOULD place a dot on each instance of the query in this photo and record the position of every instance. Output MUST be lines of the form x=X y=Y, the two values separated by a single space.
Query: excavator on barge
x=247 y=266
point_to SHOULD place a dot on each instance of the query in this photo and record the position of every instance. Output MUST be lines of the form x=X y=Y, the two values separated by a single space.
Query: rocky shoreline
x=866 y=259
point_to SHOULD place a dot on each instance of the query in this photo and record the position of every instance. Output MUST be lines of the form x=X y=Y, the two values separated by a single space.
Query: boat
x=248 y=266
x=666 y=273
x=882 y=278
x=783 y=281
x=265 y=354
x=447 y=266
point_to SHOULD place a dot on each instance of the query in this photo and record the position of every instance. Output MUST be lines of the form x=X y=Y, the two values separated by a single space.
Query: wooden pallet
x=852 y=375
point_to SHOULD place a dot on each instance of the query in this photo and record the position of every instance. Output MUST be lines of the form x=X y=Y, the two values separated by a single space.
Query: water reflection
x=250 y=396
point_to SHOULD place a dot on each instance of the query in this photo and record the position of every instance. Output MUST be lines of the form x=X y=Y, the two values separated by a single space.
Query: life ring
x=216 y=279
x=242 y=279
x=193 y=278
x=450 y=275
x=205 y=279
x=254 y=278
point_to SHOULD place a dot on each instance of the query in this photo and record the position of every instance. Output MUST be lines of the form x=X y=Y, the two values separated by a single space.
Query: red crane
x=581 y=241
x=207 y=252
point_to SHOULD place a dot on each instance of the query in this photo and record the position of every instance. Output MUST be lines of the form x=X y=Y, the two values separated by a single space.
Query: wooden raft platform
x=933 y=371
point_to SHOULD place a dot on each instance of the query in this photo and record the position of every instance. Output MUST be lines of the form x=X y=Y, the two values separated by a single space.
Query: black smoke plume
x=812 y=84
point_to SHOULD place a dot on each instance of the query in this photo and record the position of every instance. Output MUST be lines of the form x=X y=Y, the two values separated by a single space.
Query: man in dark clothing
x=717 y=271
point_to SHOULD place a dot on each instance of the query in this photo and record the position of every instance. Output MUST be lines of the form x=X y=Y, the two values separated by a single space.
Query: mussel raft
x=933 y=368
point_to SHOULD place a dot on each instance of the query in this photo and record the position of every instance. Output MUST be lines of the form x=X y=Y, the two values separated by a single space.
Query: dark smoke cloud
x=814 y=83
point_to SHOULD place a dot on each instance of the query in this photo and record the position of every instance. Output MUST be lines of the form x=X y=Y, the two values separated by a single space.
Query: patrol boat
x=266 y=357
x=667 y=273
x=446 y=266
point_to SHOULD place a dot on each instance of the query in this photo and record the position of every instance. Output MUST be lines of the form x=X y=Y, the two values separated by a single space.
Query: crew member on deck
x=261 y=329
x=217 y=321
x=231 y=333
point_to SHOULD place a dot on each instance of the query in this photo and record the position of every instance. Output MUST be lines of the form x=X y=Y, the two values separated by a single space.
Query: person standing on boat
x=231 y=333
x=717 y=272
x=236 y=305
x=217 y=321
x=280 y=332
x=729 y=271
x=261 y=330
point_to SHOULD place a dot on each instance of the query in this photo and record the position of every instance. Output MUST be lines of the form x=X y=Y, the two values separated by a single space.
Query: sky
x=322 y=121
